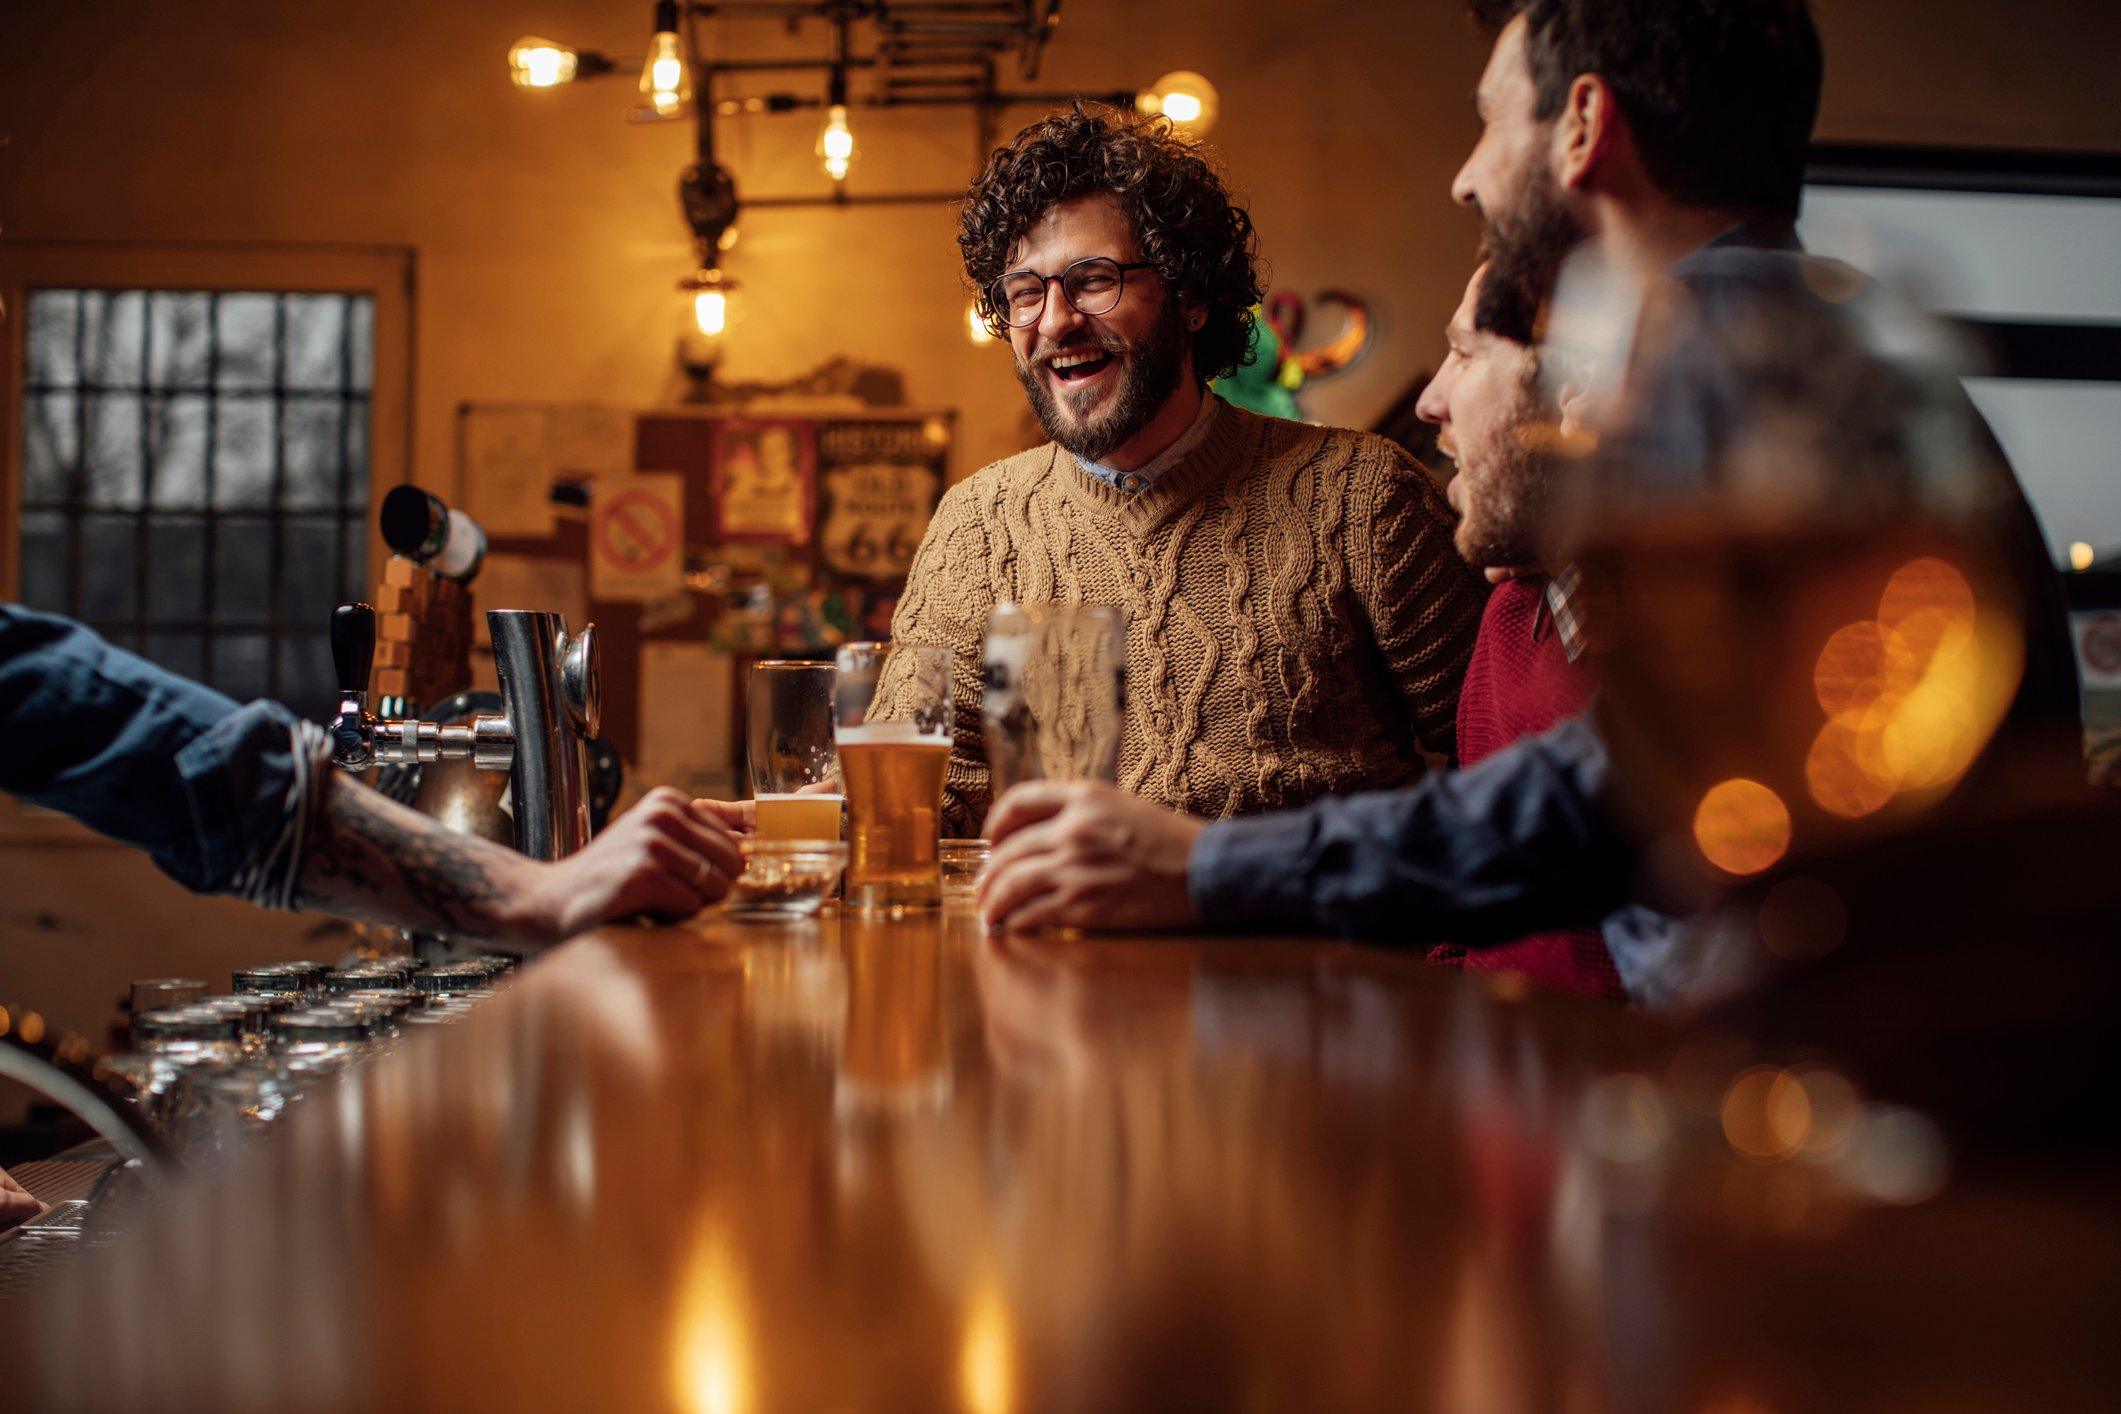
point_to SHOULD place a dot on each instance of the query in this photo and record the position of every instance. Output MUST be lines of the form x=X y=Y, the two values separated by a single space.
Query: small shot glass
x=785 y=879
x=963 y=861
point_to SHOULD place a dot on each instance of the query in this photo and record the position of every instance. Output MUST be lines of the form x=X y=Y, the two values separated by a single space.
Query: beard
x=1149 y=375
x=1505 y=504
x=1526 y=242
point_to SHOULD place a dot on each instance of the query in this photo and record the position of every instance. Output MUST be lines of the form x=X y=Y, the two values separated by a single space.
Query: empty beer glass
x=789 y=739
x=1055 y=698
x=892 y=705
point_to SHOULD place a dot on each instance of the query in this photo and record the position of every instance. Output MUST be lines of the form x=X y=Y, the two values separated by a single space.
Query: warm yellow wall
x=548 y=239
x=546 y=228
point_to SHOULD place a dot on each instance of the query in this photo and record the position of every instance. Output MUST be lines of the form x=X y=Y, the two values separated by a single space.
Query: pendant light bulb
x=835 y=144
x=711 y=296
x=710 y=313
x=976 y=327
x=666 y=79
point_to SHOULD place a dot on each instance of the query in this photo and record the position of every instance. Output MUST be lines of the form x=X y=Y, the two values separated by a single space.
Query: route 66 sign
x=874 y=516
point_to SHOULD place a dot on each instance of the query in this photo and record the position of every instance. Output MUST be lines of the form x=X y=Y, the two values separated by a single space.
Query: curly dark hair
x=1203 y=247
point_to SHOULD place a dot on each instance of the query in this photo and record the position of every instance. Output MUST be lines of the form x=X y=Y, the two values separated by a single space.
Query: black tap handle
x=353 y=646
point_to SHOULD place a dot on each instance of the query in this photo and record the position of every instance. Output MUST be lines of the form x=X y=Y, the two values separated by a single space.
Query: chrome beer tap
x=551 y=693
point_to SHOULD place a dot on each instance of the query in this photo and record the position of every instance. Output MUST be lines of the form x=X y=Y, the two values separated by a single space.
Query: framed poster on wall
x=765 y=479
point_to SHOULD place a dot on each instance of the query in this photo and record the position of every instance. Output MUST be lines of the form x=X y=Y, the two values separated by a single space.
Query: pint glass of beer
x=794 y=761
x=892 y=706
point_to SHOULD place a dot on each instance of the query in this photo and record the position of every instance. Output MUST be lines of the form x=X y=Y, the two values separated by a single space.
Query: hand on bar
x=1086 y=855
x=372 y=858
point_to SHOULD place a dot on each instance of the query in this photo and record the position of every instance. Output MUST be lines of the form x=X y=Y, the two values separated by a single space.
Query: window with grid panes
x=195 y=471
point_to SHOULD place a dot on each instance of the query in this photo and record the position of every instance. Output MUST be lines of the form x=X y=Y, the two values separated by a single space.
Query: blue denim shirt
x=213 y=791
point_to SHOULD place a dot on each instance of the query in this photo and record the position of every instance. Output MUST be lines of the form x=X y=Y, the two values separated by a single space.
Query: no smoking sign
x=636 y=535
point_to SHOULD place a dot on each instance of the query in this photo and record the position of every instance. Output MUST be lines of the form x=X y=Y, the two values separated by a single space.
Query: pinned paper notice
x=507 y=472
x=547 y=586
x=588 y=440
x=637 y=537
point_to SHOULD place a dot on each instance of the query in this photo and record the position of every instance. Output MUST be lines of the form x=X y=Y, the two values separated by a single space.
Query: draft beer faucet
x=551 y=696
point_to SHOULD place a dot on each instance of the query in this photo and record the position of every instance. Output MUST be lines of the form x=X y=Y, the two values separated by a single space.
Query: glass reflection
x=987 y=1354
x=712 y=1372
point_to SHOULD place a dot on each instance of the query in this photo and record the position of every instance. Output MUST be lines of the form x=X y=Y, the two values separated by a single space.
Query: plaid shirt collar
x=1564 y=605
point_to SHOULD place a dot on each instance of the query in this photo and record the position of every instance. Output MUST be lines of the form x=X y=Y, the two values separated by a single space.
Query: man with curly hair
x=1298 y=622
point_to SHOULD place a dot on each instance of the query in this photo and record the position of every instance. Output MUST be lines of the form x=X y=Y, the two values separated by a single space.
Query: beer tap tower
x=551 y=692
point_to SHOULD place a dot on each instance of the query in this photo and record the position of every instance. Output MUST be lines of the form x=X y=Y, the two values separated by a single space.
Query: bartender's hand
x=742 y=816
x=1086 y=855
x=16 y=1203
x=666 y=858
x=370 y=857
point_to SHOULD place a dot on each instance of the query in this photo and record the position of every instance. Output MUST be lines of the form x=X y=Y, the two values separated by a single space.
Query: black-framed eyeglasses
x=1090 y=286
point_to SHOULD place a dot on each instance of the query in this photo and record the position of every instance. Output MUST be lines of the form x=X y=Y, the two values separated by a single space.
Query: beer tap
x=551 y=690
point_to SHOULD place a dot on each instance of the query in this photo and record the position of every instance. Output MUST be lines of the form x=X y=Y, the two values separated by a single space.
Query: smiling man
x=1298 y=623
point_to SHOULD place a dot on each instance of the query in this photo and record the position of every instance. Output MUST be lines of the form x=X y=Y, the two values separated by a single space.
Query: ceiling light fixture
x=919 y=53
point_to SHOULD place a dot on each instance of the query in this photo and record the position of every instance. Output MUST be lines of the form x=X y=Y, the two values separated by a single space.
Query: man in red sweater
x=1501 y=419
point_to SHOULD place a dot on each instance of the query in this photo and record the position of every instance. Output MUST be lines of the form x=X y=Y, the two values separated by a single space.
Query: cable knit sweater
x=1298 y=618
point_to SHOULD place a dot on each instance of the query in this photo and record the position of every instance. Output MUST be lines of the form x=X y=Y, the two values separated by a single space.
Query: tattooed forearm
x=372 y=858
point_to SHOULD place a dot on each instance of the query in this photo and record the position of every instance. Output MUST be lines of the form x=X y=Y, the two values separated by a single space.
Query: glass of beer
x=795 y=762
x=1055 y=692
x=892 y=706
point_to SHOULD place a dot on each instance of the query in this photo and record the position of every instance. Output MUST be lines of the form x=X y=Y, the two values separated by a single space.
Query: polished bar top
x=876 y=1164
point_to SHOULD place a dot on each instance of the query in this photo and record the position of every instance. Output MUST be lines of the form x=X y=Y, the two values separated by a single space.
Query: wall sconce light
x=540 y=63
x=1184 y=97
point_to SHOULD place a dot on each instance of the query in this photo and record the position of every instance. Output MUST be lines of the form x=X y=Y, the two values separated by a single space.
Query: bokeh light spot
x=1836 y=1109
x=1901 y=1157
x=1927 y=583
x=1741 y=826
x=1802 y=919
x=1625 y=1119
x=1766 y=1114
x=1861 y=663
x=1837 y=774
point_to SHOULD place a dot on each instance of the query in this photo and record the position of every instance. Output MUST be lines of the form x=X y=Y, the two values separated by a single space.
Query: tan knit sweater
x=1298 y=618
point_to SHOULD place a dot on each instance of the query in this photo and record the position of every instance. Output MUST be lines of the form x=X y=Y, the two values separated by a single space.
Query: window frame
x=383 y=273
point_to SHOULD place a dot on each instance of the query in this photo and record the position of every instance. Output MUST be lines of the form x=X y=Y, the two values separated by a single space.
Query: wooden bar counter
x=858 y=1164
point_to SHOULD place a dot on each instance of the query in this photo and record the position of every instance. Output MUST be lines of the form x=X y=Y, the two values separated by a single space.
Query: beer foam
x=889 y=734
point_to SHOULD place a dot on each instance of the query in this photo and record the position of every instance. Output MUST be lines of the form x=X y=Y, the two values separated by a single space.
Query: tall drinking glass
x=1055 y=700
x=789 y=738
x=892 y=705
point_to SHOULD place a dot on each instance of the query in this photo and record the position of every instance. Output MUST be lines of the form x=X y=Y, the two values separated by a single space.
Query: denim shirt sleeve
x=1516 y=844
x=211 y=790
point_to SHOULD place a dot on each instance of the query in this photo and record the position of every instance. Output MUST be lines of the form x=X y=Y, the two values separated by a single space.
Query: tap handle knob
x=353 y=653
x=353 y=647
